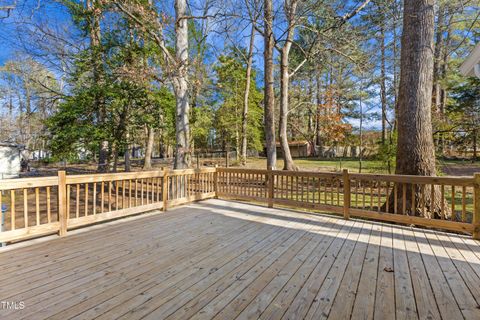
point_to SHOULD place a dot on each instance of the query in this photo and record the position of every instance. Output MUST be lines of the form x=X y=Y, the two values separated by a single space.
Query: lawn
x=312 y=164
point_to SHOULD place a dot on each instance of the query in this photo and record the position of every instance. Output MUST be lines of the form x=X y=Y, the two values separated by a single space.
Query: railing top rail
x=282 y=172
x=12 y=184
x=447 y=180
x=106 y=177
x=179 y=172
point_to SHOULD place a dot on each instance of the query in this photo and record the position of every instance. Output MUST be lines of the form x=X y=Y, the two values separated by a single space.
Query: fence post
x=346 y=194
x=270 y=178
x=165 y=189
x=215 y=181
x=62 y=202
x=476 y=203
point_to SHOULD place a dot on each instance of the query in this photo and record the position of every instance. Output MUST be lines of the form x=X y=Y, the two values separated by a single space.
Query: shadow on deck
x=231 y=260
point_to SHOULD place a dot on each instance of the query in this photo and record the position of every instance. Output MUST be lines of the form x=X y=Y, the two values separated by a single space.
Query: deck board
x=231 y=260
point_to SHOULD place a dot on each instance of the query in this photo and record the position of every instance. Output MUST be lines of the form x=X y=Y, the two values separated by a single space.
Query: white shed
x=471 y=66
x=10 y=160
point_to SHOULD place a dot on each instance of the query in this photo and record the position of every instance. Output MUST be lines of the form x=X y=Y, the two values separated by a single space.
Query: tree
x=290 y=8
x=231 y=82
x=246 y=96
x=415 y=148
x=180 y=84
x=269 y=94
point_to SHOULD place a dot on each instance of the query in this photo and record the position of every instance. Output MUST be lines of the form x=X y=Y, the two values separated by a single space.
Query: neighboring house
x=471 y=66
x=10 y=160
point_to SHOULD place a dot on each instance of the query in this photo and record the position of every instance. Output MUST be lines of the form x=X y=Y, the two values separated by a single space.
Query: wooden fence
x=395 y=198
x=40 y=206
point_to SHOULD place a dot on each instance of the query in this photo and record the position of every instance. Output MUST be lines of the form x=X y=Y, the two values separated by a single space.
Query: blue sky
x=53 y=13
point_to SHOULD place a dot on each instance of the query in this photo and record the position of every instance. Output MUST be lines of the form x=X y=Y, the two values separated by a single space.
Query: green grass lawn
x=445 y=167
x=312 y=164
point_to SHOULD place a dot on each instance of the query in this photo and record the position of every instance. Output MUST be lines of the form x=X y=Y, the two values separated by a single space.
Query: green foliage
x=231 y=75
x=387 y=152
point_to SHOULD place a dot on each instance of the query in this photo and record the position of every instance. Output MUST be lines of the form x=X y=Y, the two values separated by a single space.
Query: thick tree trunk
x=182 y=124
x=415 y=152
x=269 y=94
x=243 y=156
x=147 y=164
x=415 y=148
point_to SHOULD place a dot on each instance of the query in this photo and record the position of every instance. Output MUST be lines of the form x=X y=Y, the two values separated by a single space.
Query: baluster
x=94 y=198
x=77 y=201
x=102 y=195
x=395 y=197
x=25 y=207
x=68 y=201
x=86 y=199
x=442 y=201
x=123 y=194
x=12 y=209
x=109 y=196
x=37 y=206
x=49 y=206
x=379 y=195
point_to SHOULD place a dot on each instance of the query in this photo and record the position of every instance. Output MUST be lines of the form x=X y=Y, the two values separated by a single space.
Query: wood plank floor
x=229 y=260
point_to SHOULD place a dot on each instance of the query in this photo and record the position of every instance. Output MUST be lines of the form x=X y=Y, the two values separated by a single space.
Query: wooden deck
x=230 y=260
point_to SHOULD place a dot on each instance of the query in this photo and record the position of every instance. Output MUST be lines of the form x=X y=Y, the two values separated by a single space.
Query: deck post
x=270 y=178
x=476 y=202
x=165 y=189
x=215 y=181
x=346 y=194
x=62 y=202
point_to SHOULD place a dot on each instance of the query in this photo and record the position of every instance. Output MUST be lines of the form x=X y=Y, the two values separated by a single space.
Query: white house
x=471 y=66
x=10 y=160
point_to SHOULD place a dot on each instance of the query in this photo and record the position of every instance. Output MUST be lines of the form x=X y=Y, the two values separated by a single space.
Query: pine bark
x=415 y=147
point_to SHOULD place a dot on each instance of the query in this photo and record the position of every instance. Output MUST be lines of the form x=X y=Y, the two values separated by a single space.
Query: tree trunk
x=282 y=127
x=269 y=94
x=415 y=149
x=437 y=62
x=96 y=60
x=383 y=87
x=147 y=164
x=319 y=141
x=290 y=13
x=243 y=156
x=182 y=125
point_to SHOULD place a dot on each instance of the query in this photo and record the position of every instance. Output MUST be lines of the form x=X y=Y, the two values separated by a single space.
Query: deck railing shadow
x=310 y=216
x=223 y=222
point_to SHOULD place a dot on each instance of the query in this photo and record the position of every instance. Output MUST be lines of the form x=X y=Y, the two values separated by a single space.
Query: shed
x=298 y=149
x=471 y=66
x=10 y=160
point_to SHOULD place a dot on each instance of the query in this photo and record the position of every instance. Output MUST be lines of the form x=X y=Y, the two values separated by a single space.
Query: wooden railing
x=449 y=203
x=40 y=206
